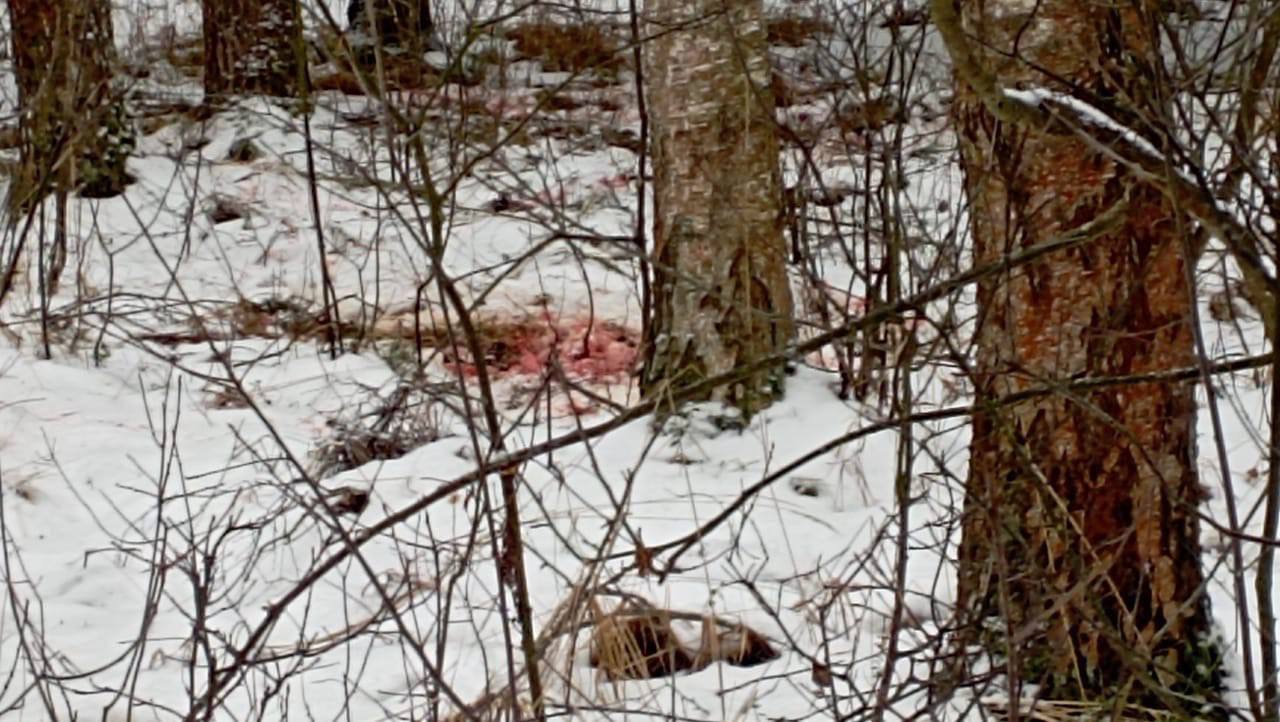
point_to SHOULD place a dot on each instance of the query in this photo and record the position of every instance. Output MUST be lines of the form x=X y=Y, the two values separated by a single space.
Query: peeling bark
x=1080 y=526
x=721 y=294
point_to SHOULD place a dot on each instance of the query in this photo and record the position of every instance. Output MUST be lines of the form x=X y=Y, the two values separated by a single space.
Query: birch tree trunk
x=249 y=47
x=720 y=291
x=1080 y=528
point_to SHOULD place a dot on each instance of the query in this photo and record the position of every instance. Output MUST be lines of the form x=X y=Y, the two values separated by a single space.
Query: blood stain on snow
x=586 y=349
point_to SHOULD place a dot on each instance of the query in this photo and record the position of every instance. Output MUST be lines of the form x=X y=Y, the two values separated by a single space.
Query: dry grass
x=638 y=645
x=565 y=47
x=387 y=429
x=638 y=641
x=795 y=30
x=270 y=318
x=400 y=73
x=553 y=101
x=1047 y=710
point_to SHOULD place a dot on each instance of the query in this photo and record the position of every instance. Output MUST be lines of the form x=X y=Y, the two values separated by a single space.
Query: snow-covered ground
x=173 y=477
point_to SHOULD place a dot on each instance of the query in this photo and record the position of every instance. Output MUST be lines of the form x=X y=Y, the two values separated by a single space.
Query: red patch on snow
x=587 y=350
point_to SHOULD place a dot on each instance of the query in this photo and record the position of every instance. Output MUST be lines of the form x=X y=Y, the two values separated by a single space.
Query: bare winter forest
x=507 y=360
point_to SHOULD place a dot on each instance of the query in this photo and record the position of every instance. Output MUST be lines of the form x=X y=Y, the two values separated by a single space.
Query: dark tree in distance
x=396 y=23
x=75 y=129
x=249 y=48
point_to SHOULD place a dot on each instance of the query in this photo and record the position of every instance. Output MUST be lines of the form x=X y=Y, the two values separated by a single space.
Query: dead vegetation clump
x=223 y=395
x=399 y=72
x=638 y=646
x=859 y=118
x=795 y=31
x=410 y=417
x=634 y=640
x=639 y=641
x=272 y=318
x=568 y=47
x=276 y=317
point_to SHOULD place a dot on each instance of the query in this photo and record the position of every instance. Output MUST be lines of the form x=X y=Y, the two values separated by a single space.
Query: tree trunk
x=75 y=131
x=249 y=47
x=720 y=288
x=1080 y=525
x=398 y=23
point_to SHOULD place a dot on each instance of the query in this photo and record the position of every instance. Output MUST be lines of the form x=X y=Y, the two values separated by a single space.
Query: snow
x=1085 y=112
x=152 y=519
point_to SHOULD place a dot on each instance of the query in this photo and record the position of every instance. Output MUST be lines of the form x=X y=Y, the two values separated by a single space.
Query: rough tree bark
x=249 y=47
x=720 y=290
x=1080 y=526
x=75 y=132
